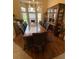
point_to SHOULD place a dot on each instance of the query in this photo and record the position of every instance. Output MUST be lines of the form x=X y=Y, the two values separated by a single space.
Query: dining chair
x=28 y=41
x=18 y=29
x=37 y=42
x=24 y=25
x=50 y=28
x=40 y=41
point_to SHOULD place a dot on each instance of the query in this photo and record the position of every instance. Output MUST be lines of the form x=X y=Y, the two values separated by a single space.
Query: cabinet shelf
x=57 y=15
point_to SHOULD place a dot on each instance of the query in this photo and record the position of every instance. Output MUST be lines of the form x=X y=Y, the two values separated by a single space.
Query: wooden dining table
x=34 y=28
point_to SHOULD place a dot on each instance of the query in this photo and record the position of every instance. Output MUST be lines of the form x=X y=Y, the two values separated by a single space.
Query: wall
x=44 y=5
x=49 y=3
x=54 y=2
x=14 y=34
x=16 y=8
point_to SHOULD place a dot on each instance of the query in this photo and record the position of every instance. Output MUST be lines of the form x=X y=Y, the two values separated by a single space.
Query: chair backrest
x=37 y=42
x=24 y=25
x=40 y=42
x=50 y=28
x=28 y=42
x=40 y=38
x=18 y=29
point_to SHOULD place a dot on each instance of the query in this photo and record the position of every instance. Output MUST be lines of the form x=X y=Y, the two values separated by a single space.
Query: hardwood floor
x=54 y=48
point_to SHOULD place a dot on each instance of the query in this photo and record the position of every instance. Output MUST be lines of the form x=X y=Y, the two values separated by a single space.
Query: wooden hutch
x=56 y=19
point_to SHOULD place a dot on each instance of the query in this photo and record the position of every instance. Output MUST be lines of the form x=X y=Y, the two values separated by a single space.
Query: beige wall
x=44 y=4
x=14 y=34
x=54 y=2
x=16 y=8
x=50 y=3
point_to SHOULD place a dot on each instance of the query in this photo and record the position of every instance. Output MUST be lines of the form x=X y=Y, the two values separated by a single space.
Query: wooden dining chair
x=24 y=25
x=40 y=42
x=18 y=29
x=50 y=28
x=37 y=43
x=28 y=41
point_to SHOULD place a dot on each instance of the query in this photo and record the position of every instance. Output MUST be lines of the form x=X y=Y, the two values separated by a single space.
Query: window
x=39 y=17
x=32 y=16
x=24 y=14
x=31 y=9
x=23 y=9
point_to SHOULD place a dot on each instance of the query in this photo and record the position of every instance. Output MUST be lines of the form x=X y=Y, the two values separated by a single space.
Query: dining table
x=33 y=28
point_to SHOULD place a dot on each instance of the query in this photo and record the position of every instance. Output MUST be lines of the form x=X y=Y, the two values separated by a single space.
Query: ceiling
x=30 y=1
